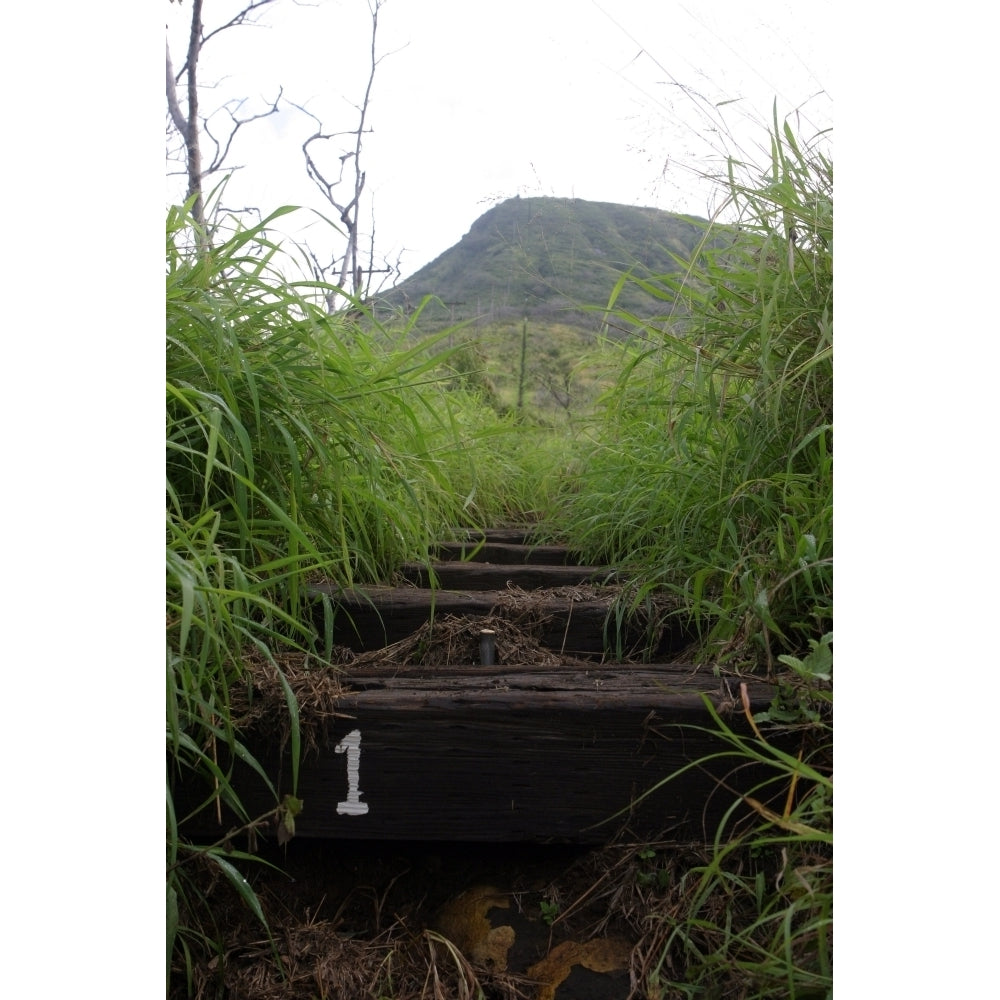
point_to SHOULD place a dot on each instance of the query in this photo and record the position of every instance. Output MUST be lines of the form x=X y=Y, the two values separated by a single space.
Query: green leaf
x=241 y=885
x=293 y=716
x=289 y=809
x=173 y=920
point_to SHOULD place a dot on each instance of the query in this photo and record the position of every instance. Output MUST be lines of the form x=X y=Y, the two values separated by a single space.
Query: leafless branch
x=242 y=18
x=352 y=274
x=187 y=123
x=359 y=174
x=312 y=169
x=222 y=151
x=173 y=105
x=341 y=183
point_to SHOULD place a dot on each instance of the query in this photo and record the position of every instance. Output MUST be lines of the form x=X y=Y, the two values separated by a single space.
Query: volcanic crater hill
x=548 y=259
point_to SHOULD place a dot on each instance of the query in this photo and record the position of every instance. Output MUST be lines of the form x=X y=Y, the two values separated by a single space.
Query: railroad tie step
x=490 y=576
x=574 y=621
x=506 y=553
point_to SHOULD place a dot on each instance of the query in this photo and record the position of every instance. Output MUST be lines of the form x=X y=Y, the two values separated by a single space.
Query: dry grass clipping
x=619 y=905
x=259 y=704
x=453 y=640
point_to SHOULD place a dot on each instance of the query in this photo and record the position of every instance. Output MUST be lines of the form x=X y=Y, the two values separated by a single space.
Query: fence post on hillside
x=520 y=377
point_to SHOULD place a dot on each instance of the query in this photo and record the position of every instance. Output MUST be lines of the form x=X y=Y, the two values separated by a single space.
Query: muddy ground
x=440 y=920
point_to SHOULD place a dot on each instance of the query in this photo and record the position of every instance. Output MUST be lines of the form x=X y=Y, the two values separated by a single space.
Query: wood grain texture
x=516 y=754
x=511 y=752
x=482 y=575
x=370 y=618
x=507 y=553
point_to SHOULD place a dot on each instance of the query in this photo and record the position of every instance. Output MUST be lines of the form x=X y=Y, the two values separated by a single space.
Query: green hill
x=547 y=260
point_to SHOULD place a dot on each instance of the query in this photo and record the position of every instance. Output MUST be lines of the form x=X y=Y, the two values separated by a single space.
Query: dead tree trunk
x=189 y=123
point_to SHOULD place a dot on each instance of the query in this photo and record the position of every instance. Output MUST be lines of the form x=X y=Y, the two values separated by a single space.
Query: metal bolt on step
x=487 y=647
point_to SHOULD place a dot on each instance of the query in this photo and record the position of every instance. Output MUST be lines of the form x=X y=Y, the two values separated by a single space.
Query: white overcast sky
x=476 y=102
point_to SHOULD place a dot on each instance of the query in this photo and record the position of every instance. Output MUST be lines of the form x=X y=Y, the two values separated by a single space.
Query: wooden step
x=579 y=625
x=561 y=751
x=515 y=753
x=506 y=553
x=518 y=535
x=505 y=751
x=487 y=576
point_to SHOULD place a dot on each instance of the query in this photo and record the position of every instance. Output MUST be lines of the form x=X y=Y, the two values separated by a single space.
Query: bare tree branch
x=222 y=151
x=173 y=106
x=187 y=125
x=352 y=274
x=191 y=133
x=236 y=21
x=347 y=175
x=351 y=210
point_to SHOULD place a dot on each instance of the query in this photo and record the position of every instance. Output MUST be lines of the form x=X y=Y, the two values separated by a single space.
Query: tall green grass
x=296 y=445
x=712 y=473
x=756 y=919
x=710 y=476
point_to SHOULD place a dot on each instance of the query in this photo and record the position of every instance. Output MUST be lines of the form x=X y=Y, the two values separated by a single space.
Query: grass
x=294 y=446
x=757 y=915
x=298 y=444
x=710 y=474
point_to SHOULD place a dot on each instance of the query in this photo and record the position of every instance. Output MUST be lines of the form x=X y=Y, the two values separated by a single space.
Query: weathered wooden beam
x=514 y=754
x=487 y=576
x=372 y=617
x=507 y=752
x=506 y=553
x=512 y=536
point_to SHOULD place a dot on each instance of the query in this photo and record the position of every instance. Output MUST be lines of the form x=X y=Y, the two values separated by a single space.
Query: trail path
x=479 y=786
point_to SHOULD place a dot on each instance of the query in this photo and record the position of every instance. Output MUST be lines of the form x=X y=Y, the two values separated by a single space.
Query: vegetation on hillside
x=550 y=260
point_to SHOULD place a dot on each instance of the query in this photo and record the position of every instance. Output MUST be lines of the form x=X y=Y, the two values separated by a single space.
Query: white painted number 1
x=351 y=745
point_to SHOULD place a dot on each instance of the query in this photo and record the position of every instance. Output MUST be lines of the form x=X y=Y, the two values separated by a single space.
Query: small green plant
x=651 y=874
x=550 y=911
x=803 y=696
x=818 y=664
